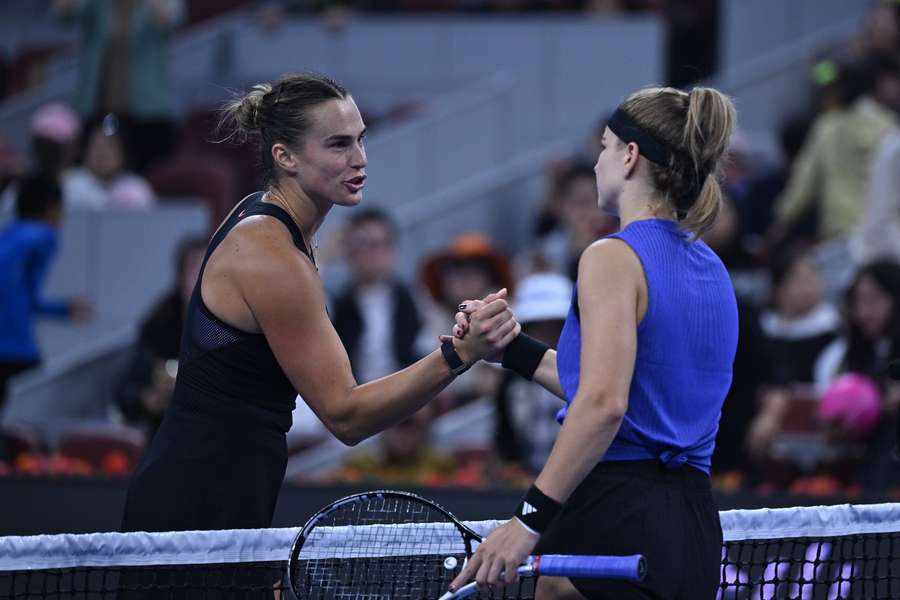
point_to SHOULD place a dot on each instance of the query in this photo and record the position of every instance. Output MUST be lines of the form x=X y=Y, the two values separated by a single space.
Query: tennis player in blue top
x=643 y=363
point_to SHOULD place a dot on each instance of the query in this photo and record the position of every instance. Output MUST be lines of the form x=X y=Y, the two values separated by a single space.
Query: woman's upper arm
x=285 y=295
x=610 y=282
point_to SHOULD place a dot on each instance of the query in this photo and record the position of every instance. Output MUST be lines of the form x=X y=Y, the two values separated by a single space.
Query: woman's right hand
x=492 y=324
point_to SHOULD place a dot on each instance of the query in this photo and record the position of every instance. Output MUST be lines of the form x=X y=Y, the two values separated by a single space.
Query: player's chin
x=350 y=197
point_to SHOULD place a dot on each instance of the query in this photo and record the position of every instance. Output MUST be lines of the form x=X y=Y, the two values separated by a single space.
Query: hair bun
x=248 y=112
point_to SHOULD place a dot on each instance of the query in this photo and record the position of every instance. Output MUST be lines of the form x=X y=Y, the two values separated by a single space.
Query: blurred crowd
x=692 y=32
x=810 y=234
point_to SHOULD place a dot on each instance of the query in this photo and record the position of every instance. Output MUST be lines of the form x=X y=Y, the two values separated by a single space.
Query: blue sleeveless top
x=685 y=350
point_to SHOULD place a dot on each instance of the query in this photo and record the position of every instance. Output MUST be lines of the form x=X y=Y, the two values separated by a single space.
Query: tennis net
x=816 y=553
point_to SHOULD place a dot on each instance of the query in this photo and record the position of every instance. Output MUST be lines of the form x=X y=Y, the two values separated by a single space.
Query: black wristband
x=457 y=366
x=523 y=355
x=537 y=509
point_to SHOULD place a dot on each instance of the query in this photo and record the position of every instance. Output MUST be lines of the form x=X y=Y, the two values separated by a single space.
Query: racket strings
x=382 y=548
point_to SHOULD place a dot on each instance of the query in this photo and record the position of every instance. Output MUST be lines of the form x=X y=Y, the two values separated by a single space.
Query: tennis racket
x=389 y=545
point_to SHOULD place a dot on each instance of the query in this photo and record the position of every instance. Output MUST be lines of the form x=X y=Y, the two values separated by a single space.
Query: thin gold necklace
x=282 y=203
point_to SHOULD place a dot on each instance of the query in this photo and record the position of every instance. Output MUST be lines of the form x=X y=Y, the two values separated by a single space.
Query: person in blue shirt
x=28 y=244
x=644 y=363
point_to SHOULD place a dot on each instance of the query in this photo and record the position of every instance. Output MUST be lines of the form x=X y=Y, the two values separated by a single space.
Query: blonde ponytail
x=702 y=214
x=697 y=127
x=707 y=130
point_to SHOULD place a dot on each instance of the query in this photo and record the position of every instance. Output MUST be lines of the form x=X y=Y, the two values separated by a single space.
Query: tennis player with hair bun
x=257 y=333
x=644 y=362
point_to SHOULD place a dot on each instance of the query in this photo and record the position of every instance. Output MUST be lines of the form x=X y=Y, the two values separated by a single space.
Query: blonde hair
x=696 y=127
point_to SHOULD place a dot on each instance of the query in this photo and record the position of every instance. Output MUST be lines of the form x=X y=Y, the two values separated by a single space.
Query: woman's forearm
x=547 y=376
x=384 y=402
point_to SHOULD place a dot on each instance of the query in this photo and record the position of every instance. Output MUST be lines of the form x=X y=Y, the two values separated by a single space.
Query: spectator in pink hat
x=55 y=130
x=55 y=122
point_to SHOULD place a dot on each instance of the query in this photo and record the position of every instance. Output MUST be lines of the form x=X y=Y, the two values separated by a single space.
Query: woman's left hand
x=504 y=550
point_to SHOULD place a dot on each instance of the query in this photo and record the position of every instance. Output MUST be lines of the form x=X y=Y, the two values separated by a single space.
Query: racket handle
x=632 y=567
x=470 y=588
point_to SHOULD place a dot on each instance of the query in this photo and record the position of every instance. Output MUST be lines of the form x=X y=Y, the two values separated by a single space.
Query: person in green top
x=124 y=66
x=833 y=168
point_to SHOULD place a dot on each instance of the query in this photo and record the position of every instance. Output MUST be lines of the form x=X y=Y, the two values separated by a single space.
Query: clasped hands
x=483 y=328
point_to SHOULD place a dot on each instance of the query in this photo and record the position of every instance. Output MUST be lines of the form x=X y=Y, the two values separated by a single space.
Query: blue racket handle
x=606 y=567
x=632 y=568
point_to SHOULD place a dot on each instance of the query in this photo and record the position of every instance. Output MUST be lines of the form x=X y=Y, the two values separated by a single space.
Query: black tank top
x=225 y=371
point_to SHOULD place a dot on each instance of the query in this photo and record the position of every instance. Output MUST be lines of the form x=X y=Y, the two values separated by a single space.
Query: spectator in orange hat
x=469 y=268
x=471 y=264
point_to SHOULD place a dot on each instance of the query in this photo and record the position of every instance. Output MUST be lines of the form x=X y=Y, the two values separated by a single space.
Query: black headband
x=629 y=131
x=655 y=151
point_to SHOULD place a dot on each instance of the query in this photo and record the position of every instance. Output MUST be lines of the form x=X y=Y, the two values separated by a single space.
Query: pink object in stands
x=55 y=121
x=853 y=402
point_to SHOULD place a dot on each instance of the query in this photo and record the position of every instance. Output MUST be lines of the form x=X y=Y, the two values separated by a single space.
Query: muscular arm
x=610 y=282
x=285 y=295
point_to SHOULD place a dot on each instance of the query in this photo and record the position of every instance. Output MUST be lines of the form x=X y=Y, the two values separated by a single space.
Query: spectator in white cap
x=526 y=424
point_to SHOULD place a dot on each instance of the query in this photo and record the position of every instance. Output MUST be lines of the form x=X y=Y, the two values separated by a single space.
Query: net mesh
x=819 y=553
x=248 y=580
x=815 y=553
x=853 y=566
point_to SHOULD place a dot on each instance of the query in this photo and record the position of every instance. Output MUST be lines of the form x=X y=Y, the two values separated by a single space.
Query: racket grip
x=632 y=568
